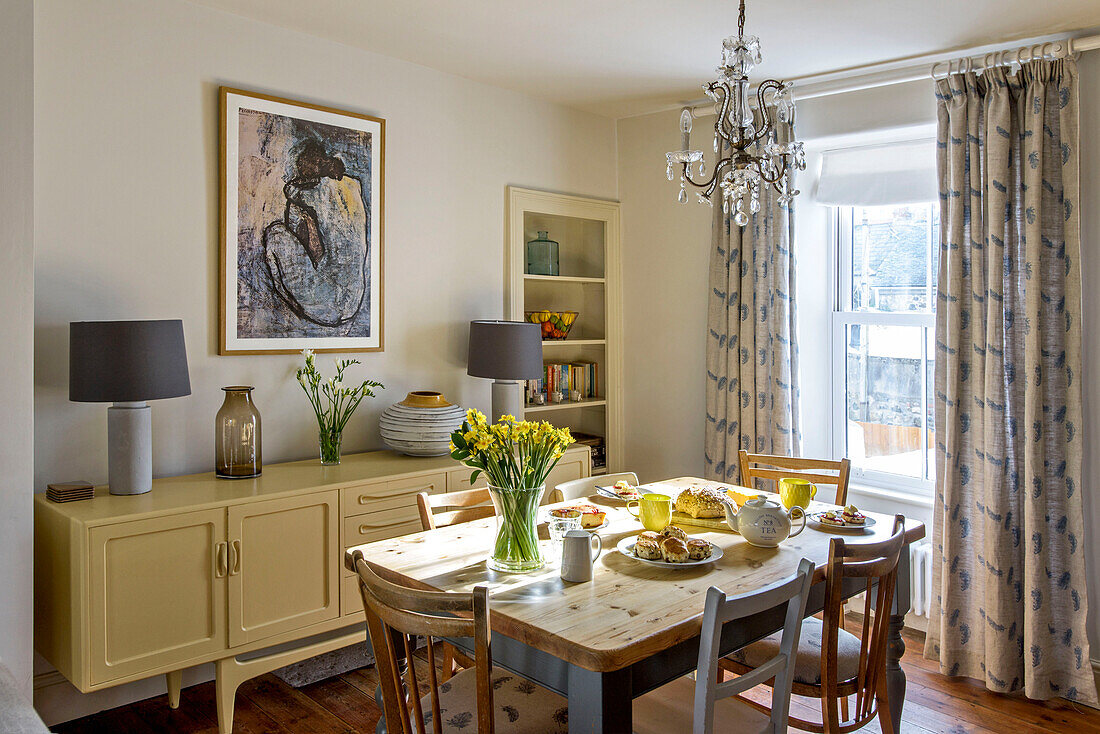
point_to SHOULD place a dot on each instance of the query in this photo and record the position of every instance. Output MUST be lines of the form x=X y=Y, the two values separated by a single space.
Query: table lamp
x=506 y=352
x=127 y=363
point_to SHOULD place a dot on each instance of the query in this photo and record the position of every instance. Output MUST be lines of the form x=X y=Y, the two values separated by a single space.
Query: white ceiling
x=624 y=57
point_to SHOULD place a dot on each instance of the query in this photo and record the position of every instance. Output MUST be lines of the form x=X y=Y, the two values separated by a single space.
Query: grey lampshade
x=505 y=350
x=127 y=361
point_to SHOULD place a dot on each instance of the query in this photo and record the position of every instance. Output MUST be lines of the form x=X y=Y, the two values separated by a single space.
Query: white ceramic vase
x=421 y=424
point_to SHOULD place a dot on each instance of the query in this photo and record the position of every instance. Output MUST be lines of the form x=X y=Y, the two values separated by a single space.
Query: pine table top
x=630 y=610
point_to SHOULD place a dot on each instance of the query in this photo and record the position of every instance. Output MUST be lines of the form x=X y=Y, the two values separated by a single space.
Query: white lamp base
x=507 y=399
x=129 y=448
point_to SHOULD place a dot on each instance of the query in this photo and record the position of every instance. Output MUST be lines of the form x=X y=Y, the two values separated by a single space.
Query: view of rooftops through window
x=890 y=254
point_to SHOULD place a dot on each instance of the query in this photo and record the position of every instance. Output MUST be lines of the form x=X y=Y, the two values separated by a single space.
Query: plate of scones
x=844 y=518
x=670 y=548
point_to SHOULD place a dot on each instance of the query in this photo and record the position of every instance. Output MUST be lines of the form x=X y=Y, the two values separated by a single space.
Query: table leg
x=600 y=703
x=895 y=645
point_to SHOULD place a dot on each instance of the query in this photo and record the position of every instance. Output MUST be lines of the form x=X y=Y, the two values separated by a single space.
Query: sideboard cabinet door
x=284 y=565
x=157 y=592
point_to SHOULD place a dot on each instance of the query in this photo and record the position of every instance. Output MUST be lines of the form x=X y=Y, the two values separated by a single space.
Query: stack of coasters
x=69 y=491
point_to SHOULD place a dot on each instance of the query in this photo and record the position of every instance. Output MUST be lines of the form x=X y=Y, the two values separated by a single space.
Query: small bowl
x=555 y=324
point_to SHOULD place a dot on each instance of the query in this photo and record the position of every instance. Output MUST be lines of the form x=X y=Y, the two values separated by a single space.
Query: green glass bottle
x=542 y=256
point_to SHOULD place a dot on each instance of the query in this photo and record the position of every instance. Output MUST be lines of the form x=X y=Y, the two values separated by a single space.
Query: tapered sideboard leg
x=174 y=681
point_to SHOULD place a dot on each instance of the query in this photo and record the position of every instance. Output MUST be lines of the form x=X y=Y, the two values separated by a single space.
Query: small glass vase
x=516 y=548
x=237 y=440
x=329 y=443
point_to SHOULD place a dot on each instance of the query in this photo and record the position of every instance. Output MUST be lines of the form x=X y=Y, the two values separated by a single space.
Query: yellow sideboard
x=243 y=573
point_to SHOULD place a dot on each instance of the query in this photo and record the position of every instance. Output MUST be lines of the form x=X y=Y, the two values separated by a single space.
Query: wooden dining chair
x=833 y=664
x=462 y=506
x=465 y=505
x=684 y=706
x=774 y=468
x=481 y=698
x=585 y=487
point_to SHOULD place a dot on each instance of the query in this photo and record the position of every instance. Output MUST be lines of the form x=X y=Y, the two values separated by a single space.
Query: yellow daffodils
x=513 y=454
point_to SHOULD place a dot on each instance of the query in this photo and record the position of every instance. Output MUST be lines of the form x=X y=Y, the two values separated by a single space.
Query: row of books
x=582 y=377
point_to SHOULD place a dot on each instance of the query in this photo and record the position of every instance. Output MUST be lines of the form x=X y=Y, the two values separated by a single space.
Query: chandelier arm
x=767 y=118
x=780 y=170
x=686 y=174
x=719 y=124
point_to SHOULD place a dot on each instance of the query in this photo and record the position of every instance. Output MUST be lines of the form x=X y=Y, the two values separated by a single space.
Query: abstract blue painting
x=302 y=215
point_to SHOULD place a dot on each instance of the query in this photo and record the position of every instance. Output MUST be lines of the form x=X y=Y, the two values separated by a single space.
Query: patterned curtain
x=752 y=359
x=1008 y=526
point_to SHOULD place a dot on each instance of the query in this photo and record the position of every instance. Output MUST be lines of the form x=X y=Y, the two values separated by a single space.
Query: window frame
x=841 y=317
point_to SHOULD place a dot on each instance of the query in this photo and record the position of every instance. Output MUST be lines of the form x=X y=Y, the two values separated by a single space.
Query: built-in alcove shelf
x=588 y=235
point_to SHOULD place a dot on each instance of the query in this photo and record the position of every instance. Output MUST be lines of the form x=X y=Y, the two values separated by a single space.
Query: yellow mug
x=654 y=510
x=796 y=492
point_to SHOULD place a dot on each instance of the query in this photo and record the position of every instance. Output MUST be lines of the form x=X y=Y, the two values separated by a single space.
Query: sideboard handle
x=374 y=526
x=235 y=557
x=222 y=563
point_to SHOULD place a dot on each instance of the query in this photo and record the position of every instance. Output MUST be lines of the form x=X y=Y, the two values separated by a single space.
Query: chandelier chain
x=741 y=21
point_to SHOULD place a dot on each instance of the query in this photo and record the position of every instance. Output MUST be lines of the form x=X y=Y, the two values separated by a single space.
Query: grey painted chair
x=580 y=488
x=666 y=710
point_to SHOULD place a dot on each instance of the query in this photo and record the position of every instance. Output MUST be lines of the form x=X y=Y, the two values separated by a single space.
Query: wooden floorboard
x=934 y=704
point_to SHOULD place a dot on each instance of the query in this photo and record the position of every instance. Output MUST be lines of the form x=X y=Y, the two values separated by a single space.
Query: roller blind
x=898 y=173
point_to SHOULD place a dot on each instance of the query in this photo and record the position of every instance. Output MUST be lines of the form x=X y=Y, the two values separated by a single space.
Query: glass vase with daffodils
x=516 y=457
x=333 y=402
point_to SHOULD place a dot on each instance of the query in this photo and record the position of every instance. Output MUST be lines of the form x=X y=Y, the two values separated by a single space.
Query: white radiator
x=920 y=577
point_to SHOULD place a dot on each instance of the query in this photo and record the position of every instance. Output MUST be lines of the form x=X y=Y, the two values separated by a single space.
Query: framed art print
x=302 y=196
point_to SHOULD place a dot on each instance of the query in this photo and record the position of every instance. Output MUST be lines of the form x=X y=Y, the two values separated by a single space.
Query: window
x=884 y=343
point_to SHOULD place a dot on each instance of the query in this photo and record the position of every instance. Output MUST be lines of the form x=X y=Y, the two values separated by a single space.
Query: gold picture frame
x=302 y=280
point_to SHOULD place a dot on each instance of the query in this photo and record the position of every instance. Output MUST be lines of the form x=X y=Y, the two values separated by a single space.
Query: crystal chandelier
x=739 y=176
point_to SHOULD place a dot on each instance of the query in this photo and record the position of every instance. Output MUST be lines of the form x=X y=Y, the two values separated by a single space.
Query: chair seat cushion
x=519 y=705
x=670 y=710
x=807 y=666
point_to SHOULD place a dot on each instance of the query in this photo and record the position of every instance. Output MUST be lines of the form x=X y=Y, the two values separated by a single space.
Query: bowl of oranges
x=554 y=324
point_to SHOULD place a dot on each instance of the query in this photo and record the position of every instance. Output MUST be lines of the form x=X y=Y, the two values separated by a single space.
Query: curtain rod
x=888 y=73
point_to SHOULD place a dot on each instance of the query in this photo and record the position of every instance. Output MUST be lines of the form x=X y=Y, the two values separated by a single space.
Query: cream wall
x=126 y=161
x=16 y=334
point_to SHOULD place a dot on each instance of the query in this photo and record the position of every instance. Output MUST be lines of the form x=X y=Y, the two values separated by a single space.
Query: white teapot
x=763 y=522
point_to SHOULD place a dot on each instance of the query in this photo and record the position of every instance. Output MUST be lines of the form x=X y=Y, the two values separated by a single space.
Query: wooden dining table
x=634 y=627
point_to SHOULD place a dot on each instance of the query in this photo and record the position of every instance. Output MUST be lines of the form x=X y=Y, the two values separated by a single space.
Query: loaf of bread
x=700 y=502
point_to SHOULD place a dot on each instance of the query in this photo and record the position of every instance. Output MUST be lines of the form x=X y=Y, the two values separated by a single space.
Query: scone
x=698 y=549
x=647 y=548
x=852 y=516
x=650 y=535
x=674 y=532
x=674 y=550
x=700 y=502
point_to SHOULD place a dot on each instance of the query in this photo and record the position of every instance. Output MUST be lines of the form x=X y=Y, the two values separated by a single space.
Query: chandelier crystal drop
x=740 y=174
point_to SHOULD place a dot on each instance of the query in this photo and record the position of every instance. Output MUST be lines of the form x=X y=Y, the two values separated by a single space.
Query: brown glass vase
x=237 y=435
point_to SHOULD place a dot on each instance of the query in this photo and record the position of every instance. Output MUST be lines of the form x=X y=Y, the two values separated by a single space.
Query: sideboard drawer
x=381 y=525
x=459 y=479
x=389 y=495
